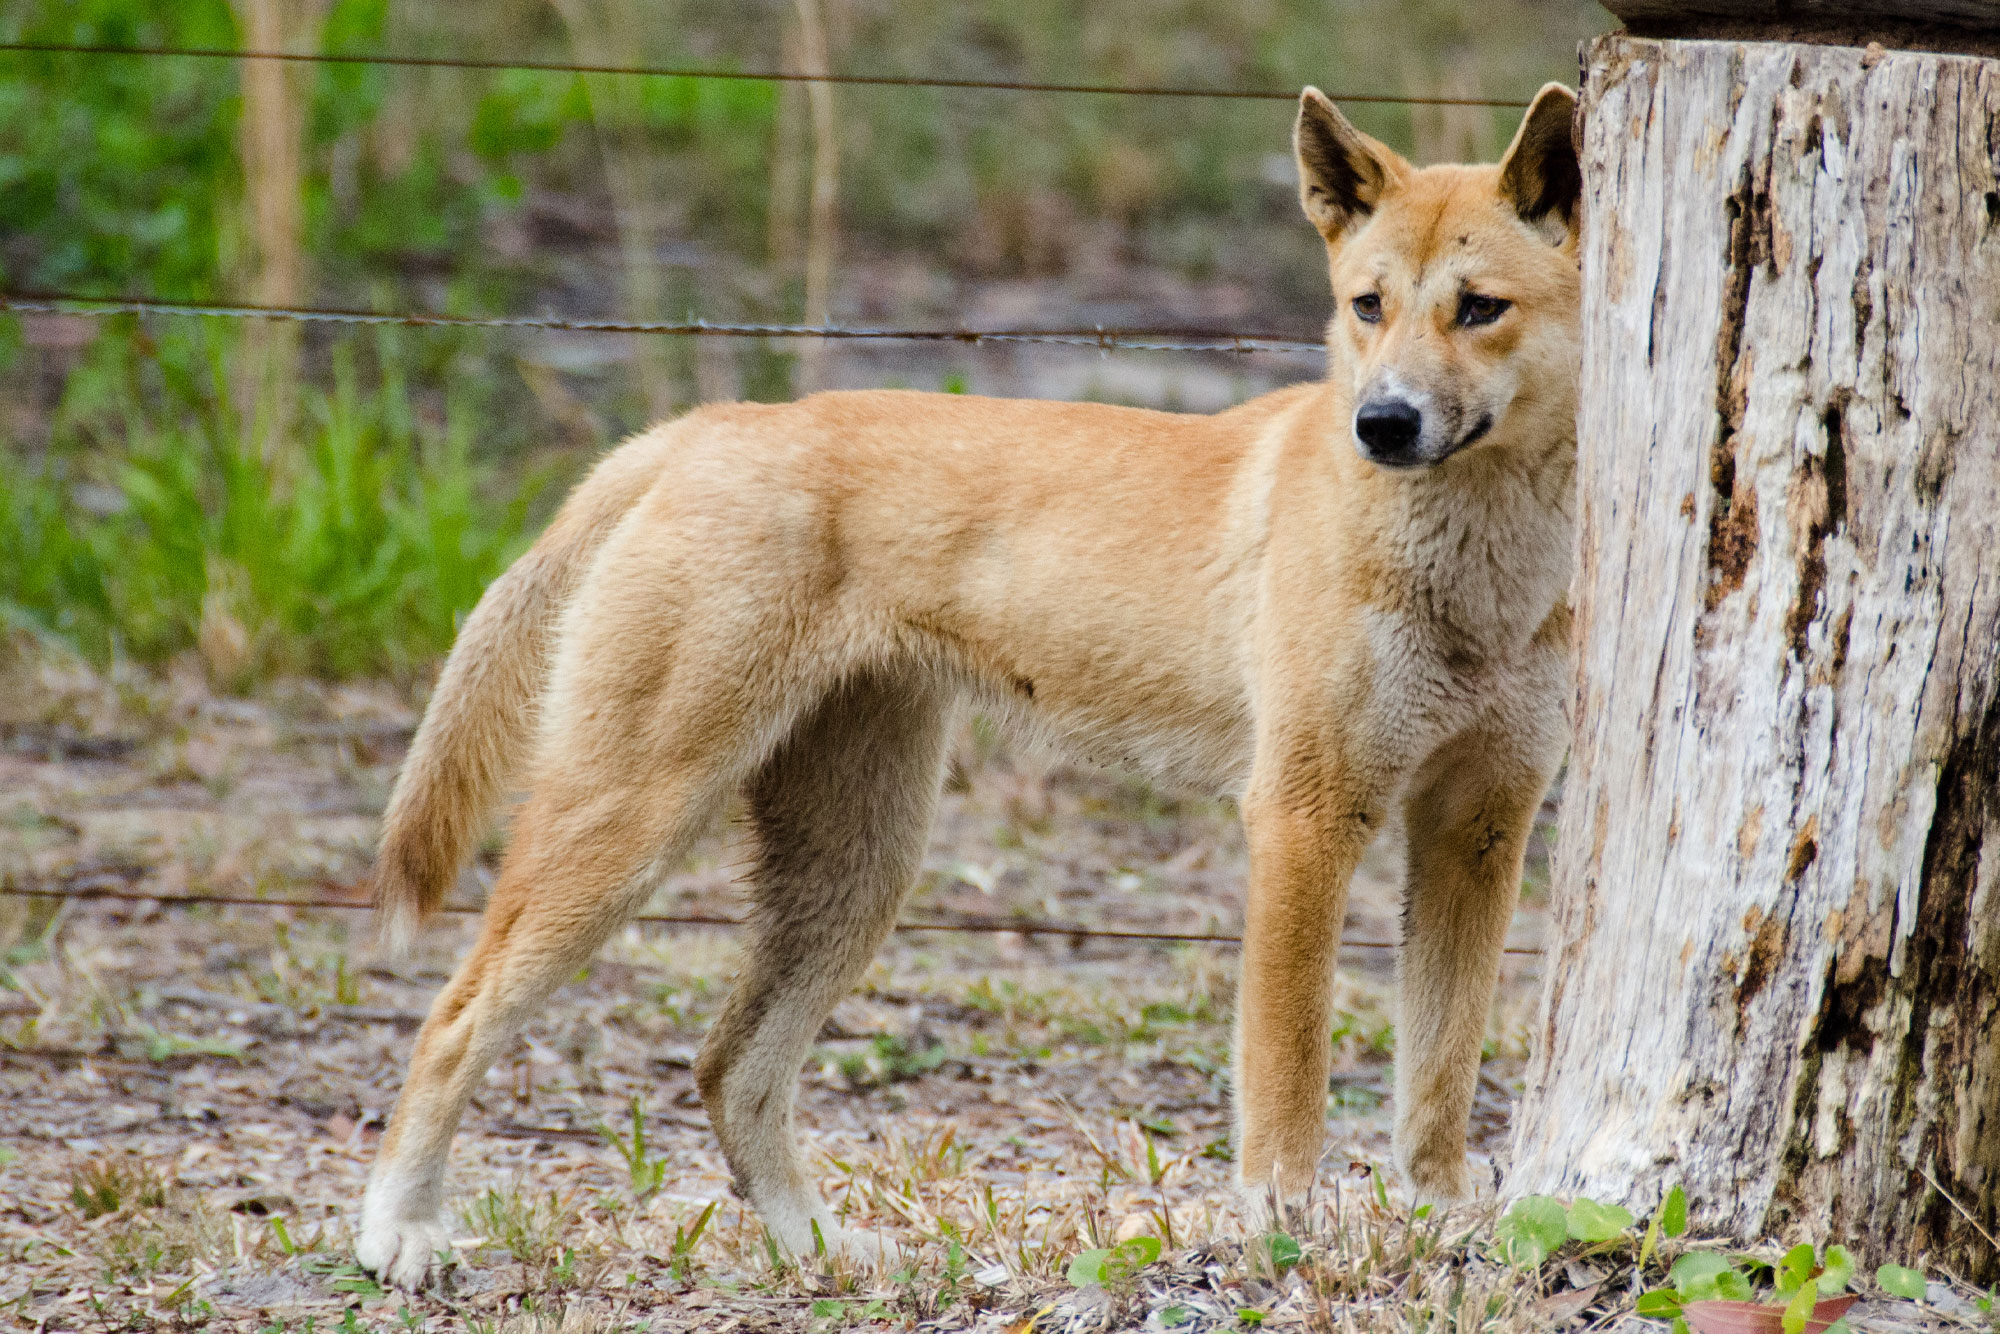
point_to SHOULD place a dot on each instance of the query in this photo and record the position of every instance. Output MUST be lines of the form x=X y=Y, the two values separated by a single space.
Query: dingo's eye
x=1368 y=308
x=1475 y=309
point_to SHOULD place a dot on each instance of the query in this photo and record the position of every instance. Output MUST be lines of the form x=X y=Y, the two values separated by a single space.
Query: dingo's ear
x=1343 y=173
x=1540 y=175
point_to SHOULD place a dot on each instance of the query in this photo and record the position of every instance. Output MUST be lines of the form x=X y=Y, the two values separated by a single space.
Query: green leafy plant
x=1669 y=1220
x=1800 y=1280
x=1536 y=1227
x=953 y=1277
x=1112 y=1266
x=1283 y=1251
x=837 y=1313
x=1589 y=1222
x=115 y=172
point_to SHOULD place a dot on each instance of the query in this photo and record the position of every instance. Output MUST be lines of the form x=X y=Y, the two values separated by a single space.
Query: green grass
x=354 y=549
x=538 y=1230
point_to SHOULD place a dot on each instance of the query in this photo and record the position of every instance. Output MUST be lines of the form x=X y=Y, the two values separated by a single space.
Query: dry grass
x=191 y=1097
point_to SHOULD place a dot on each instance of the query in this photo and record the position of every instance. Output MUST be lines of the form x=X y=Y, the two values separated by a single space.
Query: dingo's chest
x=1426 y=686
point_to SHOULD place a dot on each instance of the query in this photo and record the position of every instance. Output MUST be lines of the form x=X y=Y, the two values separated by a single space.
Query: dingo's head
x=1455 y=288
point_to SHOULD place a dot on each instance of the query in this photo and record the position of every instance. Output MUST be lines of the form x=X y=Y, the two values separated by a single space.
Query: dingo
x=1333 y=598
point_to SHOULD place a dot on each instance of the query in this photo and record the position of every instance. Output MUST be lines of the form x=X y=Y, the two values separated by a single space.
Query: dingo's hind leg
x=842 y=811
x=557 y=900
x=649 y=741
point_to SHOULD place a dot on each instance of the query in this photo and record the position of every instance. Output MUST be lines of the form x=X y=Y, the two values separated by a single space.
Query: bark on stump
x=1776 y=956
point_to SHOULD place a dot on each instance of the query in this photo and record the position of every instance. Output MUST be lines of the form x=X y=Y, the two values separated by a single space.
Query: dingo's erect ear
x=1540 y=173
x=1343 y=173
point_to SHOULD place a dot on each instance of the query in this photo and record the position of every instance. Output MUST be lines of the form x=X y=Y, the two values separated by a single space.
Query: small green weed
x=647 y=1174
x=163 y=1046
x=890 y=1060
x=156 y=1230
x=306 y=981
x=680 y=1256
x=529 y=1227
x=343 y=1275
x=102 y=1188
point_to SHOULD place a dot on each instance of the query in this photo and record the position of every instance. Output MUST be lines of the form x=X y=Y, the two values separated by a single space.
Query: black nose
x=1388 y=429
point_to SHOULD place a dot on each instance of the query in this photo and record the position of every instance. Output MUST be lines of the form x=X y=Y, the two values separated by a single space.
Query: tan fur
x=794 y=600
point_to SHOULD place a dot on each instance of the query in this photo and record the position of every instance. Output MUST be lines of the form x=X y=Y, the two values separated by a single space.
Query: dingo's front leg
x=1306 y=835
x=1467 y=819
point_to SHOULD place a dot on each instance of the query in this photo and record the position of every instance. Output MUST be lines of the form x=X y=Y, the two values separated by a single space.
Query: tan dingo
x=1334 y=598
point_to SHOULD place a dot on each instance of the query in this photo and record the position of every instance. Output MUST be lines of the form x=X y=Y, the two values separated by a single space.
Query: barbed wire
x=972 y=925
x=1137 y=340
x=762 y=76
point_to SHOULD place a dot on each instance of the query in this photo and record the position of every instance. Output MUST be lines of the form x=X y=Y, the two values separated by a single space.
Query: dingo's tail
x=481 y=718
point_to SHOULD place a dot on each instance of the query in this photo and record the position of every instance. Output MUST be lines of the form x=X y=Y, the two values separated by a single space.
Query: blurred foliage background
x=267 y=498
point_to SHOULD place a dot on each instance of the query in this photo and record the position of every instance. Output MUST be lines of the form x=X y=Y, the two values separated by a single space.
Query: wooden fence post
x=1775 y=971
x=277 y=100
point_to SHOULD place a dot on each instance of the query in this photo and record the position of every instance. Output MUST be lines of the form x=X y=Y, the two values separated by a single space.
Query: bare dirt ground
x=192 y=1095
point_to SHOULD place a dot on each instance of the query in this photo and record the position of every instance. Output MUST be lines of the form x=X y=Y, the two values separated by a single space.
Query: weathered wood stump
x=1775 y=972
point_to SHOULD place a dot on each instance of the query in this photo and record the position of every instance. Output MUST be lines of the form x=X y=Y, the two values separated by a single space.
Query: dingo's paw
x=871 y=1250
x=867 y=1250
x=1264 y=1211
x=824 y=1237
x=1439 y=1179
x=401 y=1251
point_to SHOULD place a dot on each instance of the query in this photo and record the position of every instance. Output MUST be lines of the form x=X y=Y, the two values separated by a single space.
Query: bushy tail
x=481 y=719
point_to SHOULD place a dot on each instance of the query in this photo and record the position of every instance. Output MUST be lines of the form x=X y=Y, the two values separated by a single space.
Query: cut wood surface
x=1974 y=15
x=1775 y=963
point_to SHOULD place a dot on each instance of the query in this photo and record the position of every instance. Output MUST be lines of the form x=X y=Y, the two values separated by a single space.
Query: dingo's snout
x=1389 y=430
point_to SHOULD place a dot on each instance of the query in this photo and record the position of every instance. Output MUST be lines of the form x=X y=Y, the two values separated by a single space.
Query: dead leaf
x=1560 y=1306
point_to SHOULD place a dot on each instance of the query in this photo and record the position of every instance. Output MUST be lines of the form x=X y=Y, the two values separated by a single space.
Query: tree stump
x=1775 y=971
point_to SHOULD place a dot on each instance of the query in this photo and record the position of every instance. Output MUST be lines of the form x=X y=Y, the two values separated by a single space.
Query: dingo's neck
x=1484 y=540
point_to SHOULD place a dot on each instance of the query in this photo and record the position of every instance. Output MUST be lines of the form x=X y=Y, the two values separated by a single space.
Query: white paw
x=807 y=1240
x=1437 y=1201
x=400 y=1251
x=870 y=1250
x=1263 y=1211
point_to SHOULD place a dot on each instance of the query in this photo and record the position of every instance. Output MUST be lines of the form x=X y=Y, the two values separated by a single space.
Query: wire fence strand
x=1106 y=339
x=761 y=76
x=974 y=925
